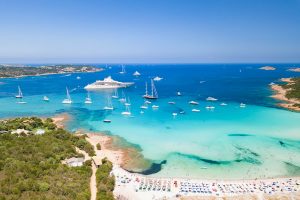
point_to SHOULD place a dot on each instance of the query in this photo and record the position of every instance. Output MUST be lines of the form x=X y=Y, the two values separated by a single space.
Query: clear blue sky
x=142 y=31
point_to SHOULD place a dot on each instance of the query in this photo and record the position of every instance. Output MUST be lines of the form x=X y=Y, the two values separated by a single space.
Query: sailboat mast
x=20 y=92
x=146 y=88
x=152 y=87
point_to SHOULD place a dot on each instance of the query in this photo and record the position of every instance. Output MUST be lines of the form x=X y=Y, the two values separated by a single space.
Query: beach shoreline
x=280 y=94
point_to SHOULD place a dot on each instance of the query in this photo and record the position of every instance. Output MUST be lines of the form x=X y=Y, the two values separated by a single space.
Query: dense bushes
x=295 y=89
x=105 y=182
x=30 y=166
x=98 y=146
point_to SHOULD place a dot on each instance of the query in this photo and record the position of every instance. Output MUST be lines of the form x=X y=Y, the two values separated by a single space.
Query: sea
x=259 y=140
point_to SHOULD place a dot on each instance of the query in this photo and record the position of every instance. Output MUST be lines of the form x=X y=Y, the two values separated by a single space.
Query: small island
x=289 y=92
x=294 y=69
x=15 y=71
x=268 y=68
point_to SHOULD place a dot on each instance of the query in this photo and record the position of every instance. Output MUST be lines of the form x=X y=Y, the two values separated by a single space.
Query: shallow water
x=260 y=140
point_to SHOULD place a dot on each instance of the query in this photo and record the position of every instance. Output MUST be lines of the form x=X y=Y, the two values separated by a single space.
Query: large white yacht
x=107 y=83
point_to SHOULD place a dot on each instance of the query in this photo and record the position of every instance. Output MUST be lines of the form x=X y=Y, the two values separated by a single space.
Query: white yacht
x=211 y=99
x=157 y=78
x=68 y=99
x=171 y=102
x=155 y=107
x=88 y=99
x=194 y=103
x=20 y=94
x=174 y=114
x=45 y=98
x=195 y=110
x=223 y=104
x=153 y=94
x=107 y=83
x=178 y=93
x=136 y=73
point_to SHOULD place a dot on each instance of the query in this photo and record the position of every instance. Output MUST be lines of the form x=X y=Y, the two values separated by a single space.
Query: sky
x=149 y=31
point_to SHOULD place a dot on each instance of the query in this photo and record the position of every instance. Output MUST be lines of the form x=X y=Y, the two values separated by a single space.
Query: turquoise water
x=258 y=141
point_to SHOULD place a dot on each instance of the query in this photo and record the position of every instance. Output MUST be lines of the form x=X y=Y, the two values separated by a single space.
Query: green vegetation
x=82 y=144
x=7 y=71
x=293 y=89
x=98 y=146
x=30 y=165
x=105 y=182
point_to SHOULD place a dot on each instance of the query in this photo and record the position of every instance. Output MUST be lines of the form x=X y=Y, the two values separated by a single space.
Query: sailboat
x=136 y=73
x=20 y=94
x=127 y=103
x=123 y=70
x=109 y=105
x=68 y=99
x=88 y=99
x=153 y=92
x=145 y=106
x=115 y=96
x=123 y=99
x=127 y=111
x=45 y=98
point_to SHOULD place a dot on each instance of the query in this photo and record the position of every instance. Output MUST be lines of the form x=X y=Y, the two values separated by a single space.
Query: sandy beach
x=280 y=94
x=136 y=186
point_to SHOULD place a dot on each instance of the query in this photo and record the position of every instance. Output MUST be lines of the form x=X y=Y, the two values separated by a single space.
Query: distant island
x=14 y=71
x=294 y=69
x=268 y=68
x=288 y=92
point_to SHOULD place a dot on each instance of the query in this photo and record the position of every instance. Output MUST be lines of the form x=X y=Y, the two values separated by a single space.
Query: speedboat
x=195 y=110
x=181 y=112
x=242 y=105
x=45 y=98
x=126 y=113
x=211 y=99
x=193 y=103
x=157 y=78
x=171 y=102
x=107 y=121
x=155 y=106
x=136 y=73
x=178 y=93
x=148 y=102
x=223 y=104
x=107 y=83
x=174 y=114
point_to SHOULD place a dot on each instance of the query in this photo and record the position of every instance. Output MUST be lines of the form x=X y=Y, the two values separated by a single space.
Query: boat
x=109 y=105
x=123 y=70
x=116 y=95
x=107 y=83
x=136 y=73
x=123 y=99
x=155 y=106
x=181 y=112
x=45 y=98
x=211 y=99
x=78 y=77
x=127 y=102
x=223 y=104
x=107 y=121
x=127 y=111
x=202 y=81
x=210 y=107
x=171 y=102
x=178 y=93
x=157 y=78
x=148 y=102
x=242 y=105
x=20 y=94
x=154 y=94
x=174 y=114
x=21 y=102
x=88 y=99
x=195 y=110
x=144 y=107
x=193 y=103
x=142 y=112
x=68 y=99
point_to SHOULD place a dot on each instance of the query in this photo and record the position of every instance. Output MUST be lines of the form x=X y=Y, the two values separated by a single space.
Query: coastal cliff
x=289 y=92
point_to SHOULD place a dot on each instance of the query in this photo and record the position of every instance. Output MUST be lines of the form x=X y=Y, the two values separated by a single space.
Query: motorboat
x=45 y=98
x=155 y=106
x=193 y=103
x=157 y=78
x=195 y=110
x=223 y=104
x=211 y=99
